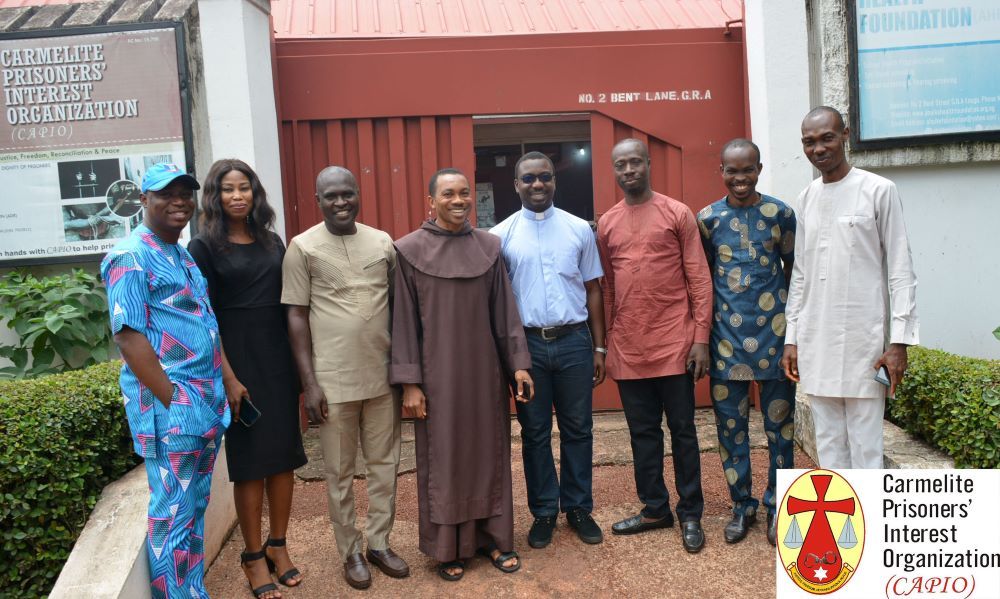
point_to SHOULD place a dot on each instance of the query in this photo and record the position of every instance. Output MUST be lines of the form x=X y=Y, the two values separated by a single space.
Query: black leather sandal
x=443 y=568
x=271 y=566
x=246 y=558
x=500 y=559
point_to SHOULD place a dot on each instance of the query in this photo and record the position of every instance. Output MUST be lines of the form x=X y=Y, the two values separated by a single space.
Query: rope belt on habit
x=552 y=333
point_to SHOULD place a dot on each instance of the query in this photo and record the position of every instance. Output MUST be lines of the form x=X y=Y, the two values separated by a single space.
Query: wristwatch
x=601 y=350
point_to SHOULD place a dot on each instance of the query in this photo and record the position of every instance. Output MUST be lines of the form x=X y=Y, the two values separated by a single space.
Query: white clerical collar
x=532 y=215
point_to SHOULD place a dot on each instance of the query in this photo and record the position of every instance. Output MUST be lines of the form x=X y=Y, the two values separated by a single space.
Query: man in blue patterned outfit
x=749 y=240
x=172 y=380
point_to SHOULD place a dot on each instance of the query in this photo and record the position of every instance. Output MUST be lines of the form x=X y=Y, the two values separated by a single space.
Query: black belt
x=552 y=333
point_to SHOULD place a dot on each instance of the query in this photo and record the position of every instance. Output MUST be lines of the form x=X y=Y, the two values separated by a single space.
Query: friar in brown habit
x=457 y=347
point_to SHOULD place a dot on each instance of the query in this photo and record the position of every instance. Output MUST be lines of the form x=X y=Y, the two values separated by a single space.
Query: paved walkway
x=648 y=565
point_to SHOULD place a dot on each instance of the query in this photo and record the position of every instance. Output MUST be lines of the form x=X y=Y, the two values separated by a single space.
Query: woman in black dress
x=240 y=256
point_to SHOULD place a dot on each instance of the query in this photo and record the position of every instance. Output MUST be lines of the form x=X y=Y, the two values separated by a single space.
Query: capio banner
x=84 y=115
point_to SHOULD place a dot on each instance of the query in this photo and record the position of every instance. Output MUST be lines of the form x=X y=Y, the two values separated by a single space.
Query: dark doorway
x=498 y=146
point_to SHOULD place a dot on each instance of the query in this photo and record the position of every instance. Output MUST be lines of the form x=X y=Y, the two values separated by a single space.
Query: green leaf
x=53 y=295
x=20 y=358
x=39 y=370
x=67 y=311
x=11 y=372
x=43 y=358
x=62 y=348
x=54 y=323
x=100 y=353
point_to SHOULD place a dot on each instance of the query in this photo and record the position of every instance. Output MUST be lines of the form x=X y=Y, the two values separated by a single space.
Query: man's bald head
x=631 y=144
x=630 y=159
x=336 y=174
x=337 y=194
x=824 y=142
x=822 y=112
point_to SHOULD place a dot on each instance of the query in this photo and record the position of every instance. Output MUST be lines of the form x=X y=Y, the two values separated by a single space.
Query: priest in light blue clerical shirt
x=551 y=257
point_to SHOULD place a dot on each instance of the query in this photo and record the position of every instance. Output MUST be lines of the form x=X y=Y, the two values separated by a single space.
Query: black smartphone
x=248 y=412
x=882 y=376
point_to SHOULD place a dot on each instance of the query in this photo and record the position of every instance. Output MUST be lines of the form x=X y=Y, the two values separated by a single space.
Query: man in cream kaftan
x=852 y=298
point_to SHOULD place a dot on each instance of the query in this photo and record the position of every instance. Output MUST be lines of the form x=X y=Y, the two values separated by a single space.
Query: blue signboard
x=926 y=69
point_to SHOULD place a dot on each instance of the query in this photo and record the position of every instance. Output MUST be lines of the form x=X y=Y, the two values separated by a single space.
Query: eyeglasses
x=531 y=178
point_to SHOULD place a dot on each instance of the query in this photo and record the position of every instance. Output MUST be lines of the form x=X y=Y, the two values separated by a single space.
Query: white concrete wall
x=953 y=240
x=778 y=76
x=109 y=559
x=236 y=50
x=946 y=196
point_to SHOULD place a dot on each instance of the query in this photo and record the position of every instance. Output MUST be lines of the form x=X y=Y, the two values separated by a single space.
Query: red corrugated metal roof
x=451 y=18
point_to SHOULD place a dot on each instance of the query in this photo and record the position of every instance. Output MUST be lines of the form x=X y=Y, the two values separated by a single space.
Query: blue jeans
x=563 y=372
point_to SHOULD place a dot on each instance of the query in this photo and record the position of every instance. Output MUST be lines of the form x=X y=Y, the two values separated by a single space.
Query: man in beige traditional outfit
x=337 y=279
x=852 y=298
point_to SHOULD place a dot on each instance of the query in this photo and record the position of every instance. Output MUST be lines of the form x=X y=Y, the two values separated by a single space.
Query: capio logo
x=825 y=505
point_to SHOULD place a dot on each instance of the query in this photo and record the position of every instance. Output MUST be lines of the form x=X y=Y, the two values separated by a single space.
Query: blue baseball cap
x=162 y=174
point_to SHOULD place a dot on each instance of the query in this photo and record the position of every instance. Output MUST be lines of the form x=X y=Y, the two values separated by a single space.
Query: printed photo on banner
x=87 y=178
x=86 y=222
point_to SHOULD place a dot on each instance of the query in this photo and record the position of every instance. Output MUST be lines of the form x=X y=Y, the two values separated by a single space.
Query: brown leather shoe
x=356 y=572
x=387 y=561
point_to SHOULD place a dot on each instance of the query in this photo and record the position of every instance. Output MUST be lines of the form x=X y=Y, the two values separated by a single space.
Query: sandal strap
x=501 y=558
x=443 y=568
x=264 y=588
x=246 y=556
x=275 y=542
x=292 y=573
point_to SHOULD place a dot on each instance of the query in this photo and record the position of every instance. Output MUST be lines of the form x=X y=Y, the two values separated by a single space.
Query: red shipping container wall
x=394 y=111
x=666 y=175
x=393 y=159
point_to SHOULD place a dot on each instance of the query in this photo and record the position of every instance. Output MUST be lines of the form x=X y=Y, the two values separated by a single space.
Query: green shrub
x=61 y=322
x=64 y=438
x=952 y=402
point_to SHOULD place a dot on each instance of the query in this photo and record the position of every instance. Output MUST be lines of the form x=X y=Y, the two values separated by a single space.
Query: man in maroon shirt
x=658 y=292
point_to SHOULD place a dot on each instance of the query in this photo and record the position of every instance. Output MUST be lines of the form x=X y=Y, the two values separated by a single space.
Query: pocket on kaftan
x=854 y=226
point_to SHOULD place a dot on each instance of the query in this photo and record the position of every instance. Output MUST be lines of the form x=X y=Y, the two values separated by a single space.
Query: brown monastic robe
x=457 y=333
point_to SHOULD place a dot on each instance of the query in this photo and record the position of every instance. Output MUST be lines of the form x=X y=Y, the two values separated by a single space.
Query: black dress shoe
x=388 y=562
x=356 y=572
x=692 y=536
x=772 y=529
x=738 y=527
x=634 y=524
x=540 y=534
x=583 y=523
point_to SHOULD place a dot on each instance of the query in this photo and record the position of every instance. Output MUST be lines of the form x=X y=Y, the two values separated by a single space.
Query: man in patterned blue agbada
x=749 y=240
x=172 y=380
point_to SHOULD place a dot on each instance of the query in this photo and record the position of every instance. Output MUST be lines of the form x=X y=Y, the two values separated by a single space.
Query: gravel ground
x=652 y=564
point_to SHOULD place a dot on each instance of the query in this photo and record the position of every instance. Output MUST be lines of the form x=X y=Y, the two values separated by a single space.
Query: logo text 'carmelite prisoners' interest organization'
x=826 y=507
